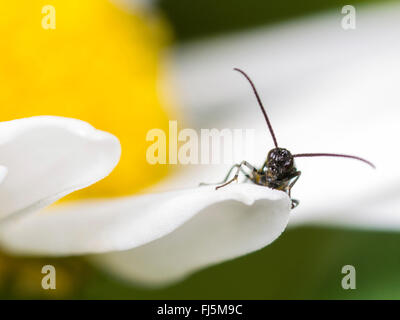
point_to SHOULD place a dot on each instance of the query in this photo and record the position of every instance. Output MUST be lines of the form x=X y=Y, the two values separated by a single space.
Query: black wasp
x=278 y=171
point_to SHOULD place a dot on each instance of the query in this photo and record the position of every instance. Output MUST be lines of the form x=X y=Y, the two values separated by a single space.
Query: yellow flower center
x=99 y=64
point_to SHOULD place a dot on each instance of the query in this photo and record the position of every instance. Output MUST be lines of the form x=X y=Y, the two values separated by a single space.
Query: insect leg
x=226 y=178
x=239 y=169
x=248 y=165
x=295 y=202
x=239 y=166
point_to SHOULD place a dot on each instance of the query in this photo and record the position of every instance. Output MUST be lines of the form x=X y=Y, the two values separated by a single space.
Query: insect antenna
x=260 y=104
x=333 y=155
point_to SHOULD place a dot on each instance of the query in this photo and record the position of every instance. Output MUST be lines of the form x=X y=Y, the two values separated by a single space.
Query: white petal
x=175 y=232
x=48 y=158
x=326 y=90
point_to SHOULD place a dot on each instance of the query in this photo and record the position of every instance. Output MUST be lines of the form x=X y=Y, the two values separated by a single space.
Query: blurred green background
x=304 y=263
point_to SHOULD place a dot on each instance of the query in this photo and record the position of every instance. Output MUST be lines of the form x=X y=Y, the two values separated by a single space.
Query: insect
x=278 y=171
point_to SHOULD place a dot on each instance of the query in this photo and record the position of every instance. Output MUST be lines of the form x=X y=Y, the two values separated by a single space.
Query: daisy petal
x=48 y=158
x=176 y=232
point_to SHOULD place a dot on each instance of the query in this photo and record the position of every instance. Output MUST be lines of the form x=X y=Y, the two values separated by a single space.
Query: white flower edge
x=169 y=234
x=48 y=157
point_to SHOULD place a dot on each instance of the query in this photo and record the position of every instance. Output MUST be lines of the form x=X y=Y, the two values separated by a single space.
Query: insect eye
x=289 y=163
